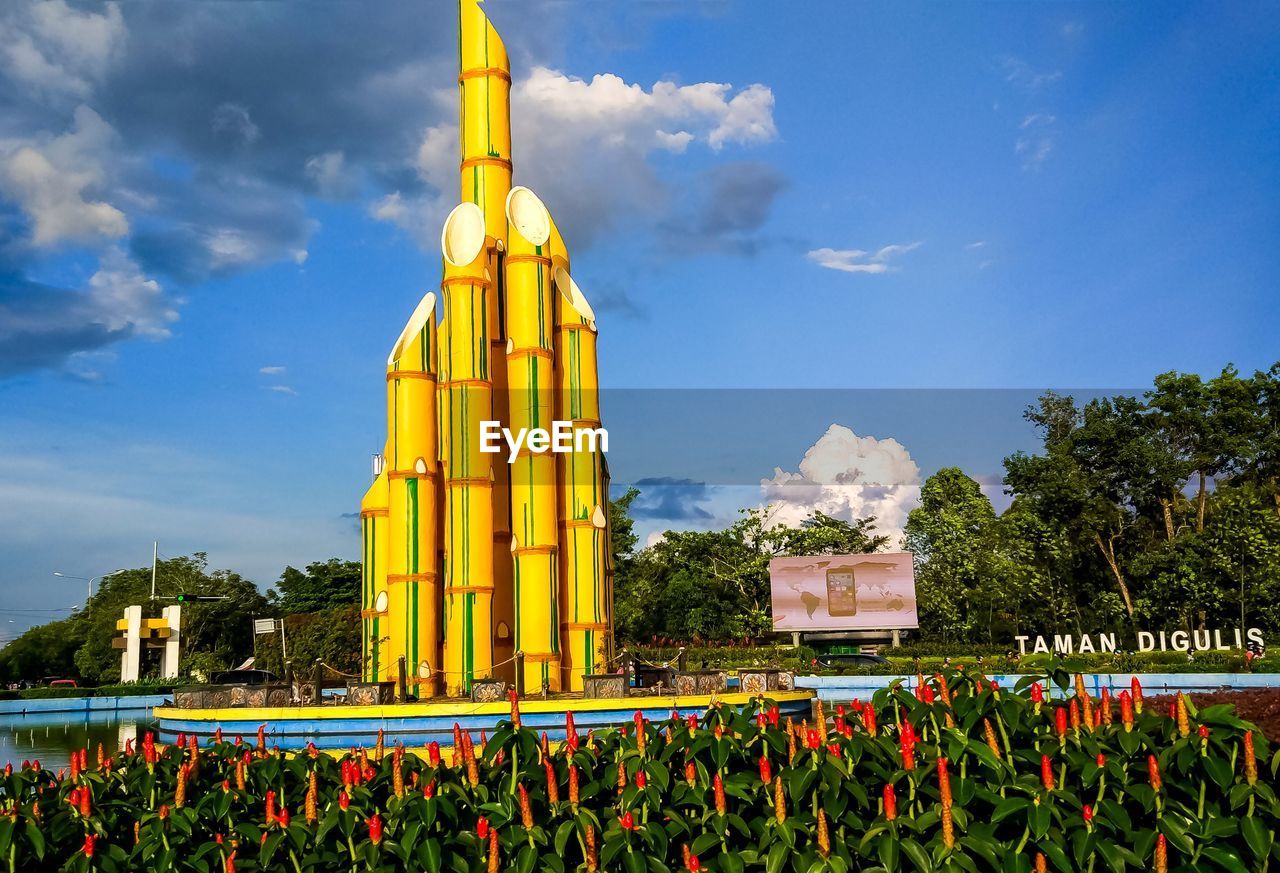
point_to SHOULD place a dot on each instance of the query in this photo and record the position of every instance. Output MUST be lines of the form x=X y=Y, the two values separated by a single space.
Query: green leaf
x=1256 y=835
x=889 y=851
x=919 y=857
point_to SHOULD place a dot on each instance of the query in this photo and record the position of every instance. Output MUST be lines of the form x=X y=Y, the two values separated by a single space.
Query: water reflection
x=51 y=738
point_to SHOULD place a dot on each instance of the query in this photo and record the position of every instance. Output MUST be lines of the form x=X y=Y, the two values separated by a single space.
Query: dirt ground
x=1258 y=705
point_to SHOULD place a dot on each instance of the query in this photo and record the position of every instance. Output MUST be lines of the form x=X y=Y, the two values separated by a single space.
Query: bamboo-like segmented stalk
x=468 y=477
x=582 y=505
x=413 y=474
x=373 y=588
x=484 y=79
x=531 y=381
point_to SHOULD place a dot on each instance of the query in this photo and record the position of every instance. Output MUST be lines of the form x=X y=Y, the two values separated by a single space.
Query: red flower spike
x=1037 y=693
x=282 y=817
x=1087 y=814
x=344 y=800
x=641 y=780
x=890 y=803
x=89 y=842
x=1060 y=722
x=766 y=770
x=482 y=828
x=627 y=821
x=375 y=829
x=433 y=753
x=1046 y=772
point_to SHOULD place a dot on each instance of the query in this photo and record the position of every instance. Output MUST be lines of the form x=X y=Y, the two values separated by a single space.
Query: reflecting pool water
x=51 y=737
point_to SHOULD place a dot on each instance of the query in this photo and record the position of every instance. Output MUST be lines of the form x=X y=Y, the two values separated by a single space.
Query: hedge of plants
x=123 y=689
x=931 y=658
x=961 y=775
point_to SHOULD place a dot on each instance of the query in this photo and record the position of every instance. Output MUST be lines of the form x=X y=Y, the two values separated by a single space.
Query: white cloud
x=271 y=371
x=55 y=182
x=331 y=175
x=859 y=261
x=976 y=245
x=847 y=476
x=585 y=147
x=1019 y=73
x=126 y=299
x=283 y=389
x=58 y=51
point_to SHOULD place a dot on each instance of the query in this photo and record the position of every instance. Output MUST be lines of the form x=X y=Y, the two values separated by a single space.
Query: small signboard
x=264 y=625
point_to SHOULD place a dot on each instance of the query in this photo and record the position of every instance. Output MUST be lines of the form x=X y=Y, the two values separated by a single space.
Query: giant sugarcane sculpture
x=475 y=566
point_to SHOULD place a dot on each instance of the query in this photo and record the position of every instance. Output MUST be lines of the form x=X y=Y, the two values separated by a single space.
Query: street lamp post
x=89 y=580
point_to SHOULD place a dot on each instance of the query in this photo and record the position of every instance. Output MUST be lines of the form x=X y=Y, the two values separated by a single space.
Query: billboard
x=844 y=592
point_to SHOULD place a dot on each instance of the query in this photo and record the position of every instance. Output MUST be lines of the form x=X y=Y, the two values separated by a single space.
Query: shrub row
x=962 y=775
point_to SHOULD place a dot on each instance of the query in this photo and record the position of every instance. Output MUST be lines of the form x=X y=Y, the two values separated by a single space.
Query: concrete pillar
x=172 y=650
x=131 y=657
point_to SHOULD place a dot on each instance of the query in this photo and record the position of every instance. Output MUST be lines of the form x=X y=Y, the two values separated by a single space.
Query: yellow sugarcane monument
x=477 y=565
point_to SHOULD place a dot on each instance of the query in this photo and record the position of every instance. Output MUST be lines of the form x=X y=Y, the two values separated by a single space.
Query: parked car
x=851 y=659
x=61 y=683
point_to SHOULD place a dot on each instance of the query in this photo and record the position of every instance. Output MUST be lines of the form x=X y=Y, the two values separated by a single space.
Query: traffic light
x=195 y=598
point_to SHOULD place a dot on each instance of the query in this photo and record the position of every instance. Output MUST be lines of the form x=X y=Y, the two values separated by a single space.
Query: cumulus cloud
x=859 y=261
x=56 y=182
x=225 y=121
x=847 y=476
x=271 y=371
x=43 y=326
x=58 y=51
x=586 y=148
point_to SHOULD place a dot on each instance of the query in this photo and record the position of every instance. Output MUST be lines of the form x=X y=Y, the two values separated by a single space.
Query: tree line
x=319 y=605
x=1159 y=511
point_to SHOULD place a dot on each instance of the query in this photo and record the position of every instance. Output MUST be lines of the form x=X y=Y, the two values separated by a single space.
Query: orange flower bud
x=824 y=837
x=592 y=859
x=1136 y=688
x=990 y=733
x=1250 y=760
x=1046 y=772
x=1184 y=723
x=1153 y=772
x=573 y=784
x=1162 y=855
x=717 y=785
x=890 y=803
x=779 y=800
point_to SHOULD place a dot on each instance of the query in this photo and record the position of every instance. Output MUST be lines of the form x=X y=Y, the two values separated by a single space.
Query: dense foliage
x=319 y=605
x=959 y=775
x=714 y=585
x=1159 y=512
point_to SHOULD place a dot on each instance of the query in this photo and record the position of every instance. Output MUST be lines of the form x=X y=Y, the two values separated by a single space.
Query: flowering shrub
x=961 y=775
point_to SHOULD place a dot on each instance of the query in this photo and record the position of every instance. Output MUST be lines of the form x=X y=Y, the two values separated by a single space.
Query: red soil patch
x=1258 y=705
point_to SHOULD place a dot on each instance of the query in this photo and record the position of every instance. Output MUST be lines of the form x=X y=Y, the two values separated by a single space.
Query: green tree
x=44 y=650
x=215 y=634
x=952 y=536
x=324 y=585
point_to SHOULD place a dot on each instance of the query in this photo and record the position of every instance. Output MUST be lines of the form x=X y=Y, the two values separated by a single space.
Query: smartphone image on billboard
x=842 y=595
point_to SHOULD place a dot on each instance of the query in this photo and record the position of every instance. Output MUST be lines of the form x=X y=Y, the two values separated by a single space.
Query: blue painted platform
x=419 y=724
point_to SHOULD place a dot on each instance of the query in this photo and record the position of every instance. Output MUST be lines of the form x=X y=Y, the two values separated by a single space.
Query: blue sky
x=880 y=196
